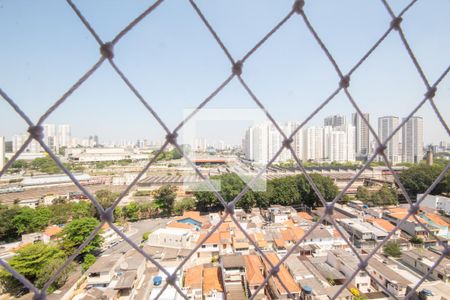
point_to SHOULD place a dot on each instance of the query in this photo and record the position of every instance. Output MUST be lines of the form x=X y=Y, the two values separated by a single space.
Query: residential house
x=212 y=284
x=386 y=226
x=101 y=273
x=347 y=263
x=209 y=248
x=129 y=273
x=193 y=282
x=363 y=234
x=280 y=214
x=386 y=273
x=179 y=238
x=410 y=225
x=240 y=243
x=50 y=234
x=424 y=259
x=436 y=202
x=254 y=275
x=233 y=268
x=436 y=221
x=277 y=285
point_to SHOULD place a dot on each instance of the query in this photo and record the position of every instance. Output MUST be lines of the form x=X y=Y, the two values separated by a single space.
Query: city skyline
x=110 y=110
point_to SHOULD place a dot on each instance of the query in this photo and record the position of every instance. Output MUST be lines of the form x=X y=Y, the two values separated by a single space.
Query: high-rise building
x=313 y=143
x=50 y=136
x=2 y=152
x=261 y=142
x=412 y=140
x=361 y=134
x=386 y=126
x=64 y=136
x=339 y=143
x=335 y=121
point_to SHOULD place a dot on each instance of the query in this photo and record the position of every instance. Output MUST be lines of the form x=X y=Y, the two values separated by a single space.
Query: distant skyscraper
x=313 y=143
x=386 y=126
x=412 y=140
x=64 y=136
x=335 y=121
x=2 y=152
x=50 y=136
x=361 y=134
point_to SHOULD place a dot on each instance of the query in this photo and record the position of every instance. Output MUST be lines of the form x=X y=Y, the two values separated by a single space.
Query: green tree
x=164 y=198
x=88 y=260
x=131 y=211
x=418 y=178
x=385 y=196
x=33 y=261
x=30 y=220
x=19 y=164
x=363 y=194
x=416 y=240
x=45 y=165
x=8 y=230
x=76 y=232
x=183 y=205
x=106 y=198
x=392 y=249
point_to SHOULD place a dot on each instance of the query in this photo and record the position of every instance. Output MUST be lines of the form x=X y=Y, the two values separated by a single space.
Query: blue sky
x=175 y=63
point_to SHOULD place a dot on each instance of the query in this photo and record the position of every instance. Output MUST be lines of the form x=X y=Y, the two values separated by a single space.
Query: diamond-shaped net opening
x=295 y=242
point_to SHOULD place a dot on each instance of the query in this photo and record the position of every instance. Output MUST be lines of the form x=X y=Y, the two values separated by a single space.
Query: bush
x=88 y=260
x=145 y=235
x=416 y=240
x=392 y=249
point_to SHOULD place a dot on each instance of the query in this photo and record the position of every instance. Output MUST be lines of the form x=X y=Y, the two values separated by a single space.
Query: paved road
x=139 y=228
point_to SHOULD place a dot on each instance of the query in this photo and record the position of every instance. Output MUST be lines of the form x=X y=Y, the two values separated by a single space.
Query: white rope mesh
x=237 y=69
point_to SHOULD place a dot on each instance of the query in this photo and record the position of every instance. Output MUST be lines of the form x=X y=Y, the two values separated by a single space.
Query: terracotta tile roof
x=304 y=215
x=436 y=219
x=401 y=215
x=175 y=224
x=194 y=215
x=279 y=243
x=213 y=239
x=298 y=233
x=398 y=209
x=52 y=230
x=225 y=236
x=212 y=280
x=286 y=235
x=260 y=239
x=254 y=269
x=193 y=277
x=240 y=244
x=289 y=223
x=224 y=227
x=283 y=274
x=385 y=224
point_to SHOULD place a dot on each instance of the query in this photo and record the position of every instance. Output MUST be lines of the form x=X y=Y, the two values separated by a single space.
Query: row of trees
x=43 y=165
x=386 y=195
x=290 y=190
x=418 y=178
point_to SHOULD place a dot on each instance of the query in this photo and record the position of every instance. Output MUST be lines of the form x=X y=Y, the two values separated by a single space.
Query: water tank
x=307 y=289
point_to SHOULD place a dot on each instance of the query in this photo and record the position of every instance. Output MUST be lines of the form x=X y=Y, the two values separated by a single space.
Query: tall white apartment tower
x=335 y=121
x=361 y=134
x=386 y=126
x=412 y=140
x=2 y=152
x=64 y=135
x=50 y=137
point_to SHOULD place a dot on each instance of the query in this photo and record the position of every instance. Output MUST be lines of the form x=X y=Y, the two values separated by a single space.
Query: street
x=138 y=229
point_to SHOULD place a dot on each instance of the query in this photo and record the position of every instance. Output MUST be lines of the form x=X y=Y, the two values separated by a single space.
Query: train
x=11 y=189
